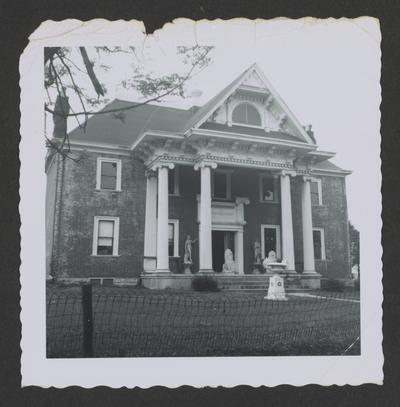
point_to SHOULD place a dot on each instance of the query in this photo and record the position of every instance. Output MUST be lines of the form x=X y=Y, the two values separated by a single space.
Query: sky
x=327 y=72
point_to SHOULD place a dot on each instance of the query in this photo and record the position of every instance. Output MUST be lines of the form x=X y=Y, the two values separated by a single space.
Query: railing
x=121 y=322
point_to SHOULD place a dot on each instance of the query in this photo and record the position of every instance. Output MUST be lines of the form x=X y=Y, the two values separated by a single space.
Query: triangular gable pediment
x=253 y=87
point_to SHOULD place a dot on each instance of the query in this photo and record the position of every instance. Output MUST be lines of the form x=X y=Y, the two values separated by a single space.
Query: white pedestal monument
x=276 y=289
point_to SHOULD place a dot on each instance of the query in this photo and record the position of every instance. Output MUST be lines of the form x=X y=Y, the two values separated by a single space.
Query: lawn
x=135 y=322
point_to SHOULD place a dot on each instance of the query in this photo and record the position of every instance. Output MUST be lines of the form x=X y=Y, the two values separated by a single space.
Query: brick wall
x=81 y=202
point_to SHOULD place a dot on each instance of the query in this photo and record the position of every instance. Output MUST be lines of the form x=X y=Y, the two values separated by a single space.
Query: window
x=221 y=184
x=270 y=240
x=268 y=188
x=247 y=114
x=316 y=192
x=173 y=181
x=108 y=174
x=319 y=244
x=173 y=238
x=105 y=236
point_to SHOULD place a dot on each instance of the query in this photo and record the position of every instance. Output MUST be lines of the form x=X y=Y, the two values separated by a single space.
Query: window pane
x=317 y=244
x=108 y=175
x=268 y=193
x=105 y=250
x=108 y=182
x=220 y=185
x=106 y=228
x=171 y=235
x=109 y=168
x=246 y=114
x=239 y=114
x=269 y=241
x=253 y=116
x=314 y=193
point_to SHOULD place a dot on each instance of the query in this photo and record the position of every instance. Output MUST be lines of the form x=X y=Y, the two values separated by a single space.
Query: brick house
x=238 y=170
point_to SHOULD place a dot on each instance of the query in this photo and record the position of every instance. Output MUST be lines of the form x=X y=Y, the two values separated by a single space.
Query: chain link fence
x=141 y=323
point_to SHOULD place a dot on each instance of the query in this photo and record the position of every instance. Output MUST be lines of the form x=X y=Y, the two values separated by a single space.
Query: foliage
x=204 y=283
x=65 y=68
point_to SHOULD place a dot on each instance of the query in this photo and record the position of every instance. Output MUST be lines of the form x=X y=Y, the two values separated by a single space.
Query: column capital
x=150 y=173
x=158 y=165
x=308 y=178
x=205 y=163
x=291 y=173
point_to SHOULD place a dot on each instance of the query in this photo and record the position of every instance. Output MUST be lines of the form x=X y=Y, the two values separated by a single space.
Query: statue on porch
x=187 y=257
x=257 y=252
x=229 y=265
x=257 y=258
x=271 y=263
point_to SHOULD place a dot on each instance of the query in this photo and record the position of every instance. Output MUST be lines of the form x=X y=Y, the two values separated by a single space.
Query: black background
x=18 y=19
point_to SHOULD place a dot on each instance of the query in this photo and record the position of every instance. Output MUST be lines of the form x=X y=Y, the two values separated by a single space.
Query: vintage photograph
x=206 y=198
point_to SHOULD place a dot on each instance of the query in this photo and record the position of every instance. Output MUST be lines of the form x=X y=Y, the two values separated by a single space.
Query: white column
x=239 y=252
x=162 y=218
x=308 y=241
x=205 y=235
x=150 y=223
x=287 y=222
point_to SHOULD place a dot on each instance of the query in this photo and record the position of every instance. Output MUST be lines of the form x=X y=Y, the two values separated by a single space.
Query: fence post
x=87 y=320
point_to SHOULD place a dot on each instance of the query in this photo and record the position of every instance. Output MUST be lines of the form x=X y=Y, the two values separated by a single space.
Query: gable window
x=247 y=114
x=173 y=181
x=268 y=188
x=105 y=236
x=319 y=243
x=221 y=185
x=108 y=175
x=316 y=192
x=173 y=238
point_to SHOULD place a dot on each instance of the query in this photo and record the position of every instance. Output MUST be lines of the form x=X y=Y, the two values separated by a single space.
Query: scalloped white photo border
x=199 y=371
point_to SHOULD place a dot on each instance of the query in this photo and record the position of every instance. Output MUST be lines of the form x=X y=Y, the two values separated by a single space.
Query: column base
x=149 y=264
x=309 y=272
x=206 y=271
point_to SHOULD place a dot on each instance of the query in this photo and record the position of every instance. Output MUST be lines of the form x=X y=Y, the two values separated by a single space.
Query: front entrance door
x=271 y=240
x=221 y=240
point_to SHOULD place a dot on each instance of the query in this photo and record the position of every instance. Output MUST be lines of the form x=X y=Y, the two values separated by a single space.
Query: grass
x=138 y=322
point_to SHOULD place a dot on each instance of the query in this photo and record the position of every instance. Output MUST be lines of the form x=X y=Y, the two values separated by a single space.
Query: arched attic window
x=247 y=114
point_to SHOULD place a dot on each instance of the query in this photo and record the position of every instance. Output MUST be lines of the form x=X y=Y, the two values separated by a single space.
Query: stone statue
x=257 y=252
x=270 y=259
x=229 y=265
x=187 y=257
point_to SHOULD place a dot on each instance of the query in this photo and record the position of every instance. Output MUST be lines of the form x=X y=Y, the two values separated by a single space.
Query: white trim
x=117 y=161
x=96 y=235
x=228 y=174
x=278 y=239
x=176 y=181
x=261 y=139
x=237 y=103
x=175 y=222
x=261 y=176
x=319 y=186
x=323 y=252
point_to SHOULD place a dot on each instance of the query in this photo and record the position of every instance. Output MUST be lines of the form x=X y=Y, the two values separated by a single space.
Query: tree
x=65 y=66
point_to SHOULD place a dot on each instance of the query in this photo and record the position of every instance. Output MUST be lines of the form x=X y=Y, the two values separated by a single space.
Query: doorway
x=270 y=240
x=221 y=240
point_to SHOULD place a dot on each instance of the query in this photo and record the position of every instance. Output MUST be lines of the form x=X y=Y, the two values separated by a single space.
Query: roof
x=328 y=166
x=125 y=129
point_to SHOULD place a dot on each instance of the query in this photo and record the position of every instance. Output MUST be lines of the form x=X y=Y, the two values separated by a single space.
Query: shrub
x=204 y=283
x=332 y=285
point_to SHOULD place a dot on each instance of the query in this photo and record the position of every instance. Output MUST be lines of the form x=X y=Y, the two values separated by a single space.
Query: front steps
x=294 y=282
